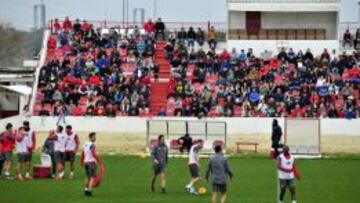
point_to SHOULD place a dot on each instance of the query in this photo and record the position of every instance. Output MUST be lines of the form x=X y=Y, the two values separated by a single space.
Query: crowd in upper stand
x=89 y=72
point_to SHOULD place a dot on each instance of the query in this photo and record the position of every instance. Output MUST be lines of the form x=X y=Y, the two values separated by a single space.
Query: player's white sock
x=7 y=173
x=86 y=189
x=294 y=201
x=61 y=175
x=189 y=185
x=281 y=201
x=72 y=173
x=27 y=174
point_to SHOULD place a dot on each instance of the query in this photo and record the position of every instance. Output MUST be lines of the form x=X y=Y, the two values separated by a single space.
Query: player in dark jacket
x=159 y=156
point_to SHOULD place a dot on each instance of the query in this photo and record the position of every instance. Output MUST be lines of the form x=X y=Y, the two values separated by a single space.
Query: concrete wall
x=316 y=46
x=132 y=125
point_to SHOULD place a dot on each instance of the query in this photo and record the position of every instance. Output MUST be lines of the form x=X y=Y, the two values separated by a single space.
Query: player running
x=71 y=147
x=31 y=144
x=219 y=170
x=287 y=172
x=88 y=160
x=194 y=166
x=8 y=143
x=22 y=152
x=159 y=157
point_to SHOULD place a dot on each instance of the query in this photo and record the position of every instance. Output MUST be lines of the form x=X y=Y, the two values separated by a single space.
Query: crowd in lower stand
x=96 y=72
x=91 y=72
x=288 y=84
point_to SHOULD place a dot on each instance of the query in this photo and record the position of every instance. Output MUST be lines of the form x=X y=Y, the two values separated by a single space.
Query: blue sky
x=19 y=12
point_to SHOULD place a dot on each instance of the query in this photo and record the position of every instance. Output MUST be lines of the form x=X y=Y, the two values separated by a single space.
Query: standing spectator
x=186 y=142
x=31 y=145
x=67 y=25
x=276 y=136
x=57 y=26
x=181 y=36
x=347 y=38
x=219 y=170
x=357 y=39
x=212 y=37
x=191 y=37
x=149 y=27
x=159 y=29
x=200 y=37
x=77 y=26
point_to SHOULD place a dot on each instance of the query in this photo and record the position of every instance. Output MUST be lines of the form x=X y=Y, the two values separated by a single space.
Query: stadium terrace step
x=158 y=97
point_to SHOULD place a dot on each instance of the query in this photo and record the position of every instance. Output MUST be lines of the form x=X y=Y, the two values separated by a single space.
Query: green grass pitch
x=127 y=181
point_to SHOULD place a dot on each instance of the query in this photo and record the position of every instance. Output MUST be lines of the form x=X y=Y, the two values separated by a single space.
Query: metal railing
x=284 y=1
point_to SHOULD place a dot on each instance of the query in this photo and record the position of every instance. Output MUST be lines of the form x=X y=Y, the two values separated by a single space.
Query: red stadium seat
x=175 y=145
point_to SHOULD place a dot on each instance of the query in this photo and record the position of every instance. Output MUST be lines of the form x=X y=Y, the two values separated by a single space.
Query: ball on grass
x=142 y=156
x=202 y=191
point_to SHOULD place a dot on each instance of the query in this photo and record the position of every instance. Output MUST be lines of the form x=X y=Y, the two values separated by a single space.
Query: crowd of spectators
x=289 y=84
x=91 y=72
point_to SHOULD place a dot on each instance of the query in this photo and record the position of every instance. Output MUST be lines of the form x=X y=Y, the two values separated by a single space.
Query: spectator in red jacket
x=57 y=26
x=67 y=25
x=85 y=26
x=149 y=27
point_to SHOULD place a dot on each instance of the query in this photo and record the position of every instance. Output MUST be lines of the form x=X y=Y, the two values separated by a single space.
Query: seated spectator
x=43 y=111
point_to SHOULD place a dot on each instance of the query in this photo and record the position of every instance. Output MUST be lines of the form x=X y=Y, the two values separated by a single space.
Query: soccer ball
x=142 y=156
x=202 y=191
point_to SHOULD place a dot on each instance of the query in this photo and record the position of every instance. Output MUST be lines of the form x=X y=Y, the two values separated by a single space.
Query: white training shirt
x=87 y=149
x=21 y=146
x=60 y=142
x=29 y=139
x=286 y=164
x=71 y=144
x=194 y=154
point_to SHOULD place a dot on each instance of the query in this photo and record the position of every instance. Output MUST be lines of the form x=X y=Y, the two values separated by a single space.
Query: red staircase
x=159 y=89
x=158 y=97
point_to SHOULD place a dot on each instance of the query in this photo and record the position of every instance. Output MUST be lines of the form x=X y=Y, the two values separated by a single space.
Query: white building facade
x=272 y=24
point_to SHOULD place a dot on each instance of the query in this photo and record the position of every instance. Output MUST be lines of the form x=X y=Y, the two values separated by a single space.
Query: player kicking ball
x=89 y=159
x=287 y=173
x=194 y=166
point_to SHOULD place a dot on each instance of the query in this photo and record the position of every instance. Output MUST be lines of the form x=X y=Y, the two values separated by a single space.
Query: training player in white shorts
x=287 y=172
x=194 y=166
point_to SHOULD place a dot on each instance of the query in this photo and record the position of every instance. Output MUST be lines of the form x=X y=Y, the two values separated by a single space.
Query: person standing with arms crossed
x=219 y=170
x=160 y=158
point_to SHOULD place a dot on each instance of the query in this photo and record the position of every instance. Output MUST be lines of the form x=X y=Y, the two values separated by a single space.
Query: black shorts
x=159 y=168
x=59 y=157
x=287 y=183
x=8 y=156
x=29 y=156
x=222 y=188
x=22 y=157
x=69 y=156
x=90 y=170
x=194 y=171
